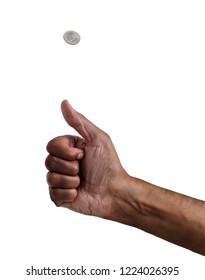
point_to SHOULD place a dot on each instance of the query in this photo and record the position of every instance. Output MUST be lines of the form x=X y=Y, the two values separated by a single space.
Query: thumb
x=82 y=125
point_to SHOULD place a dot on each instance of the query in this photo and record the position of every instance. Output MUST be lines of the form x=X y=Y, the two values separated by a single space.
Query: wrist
x=132 y=203
x=126 y=200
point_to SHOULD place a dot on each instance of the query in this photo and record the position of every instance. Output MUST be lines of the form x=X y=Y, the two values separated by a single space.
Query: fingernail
x=80 y=156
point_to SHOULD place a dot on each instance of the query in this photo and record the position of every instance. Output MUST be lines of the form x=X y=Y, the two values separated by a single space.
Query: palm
x=97 y=171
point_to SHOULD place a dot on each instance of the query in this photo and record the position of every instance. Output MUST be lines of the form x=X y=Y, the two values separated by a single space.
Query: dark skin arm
x=85 y=175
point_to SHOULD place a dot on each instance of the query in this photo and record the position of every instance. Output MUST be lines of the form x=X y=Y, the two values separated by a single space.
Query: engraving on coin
x=71 y=37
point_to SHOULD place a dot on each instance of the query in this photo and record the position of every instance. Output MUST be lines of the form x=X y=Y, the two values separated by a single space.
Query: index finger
x=63 y=148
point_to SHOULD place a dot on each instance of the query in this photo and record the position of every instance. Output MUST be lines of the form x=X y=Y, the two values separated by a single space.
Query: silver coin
x=71 y=37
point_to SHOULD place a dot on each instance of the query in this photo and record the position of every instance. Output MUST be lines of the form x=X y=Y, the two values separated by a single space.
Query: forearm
x=169 y=215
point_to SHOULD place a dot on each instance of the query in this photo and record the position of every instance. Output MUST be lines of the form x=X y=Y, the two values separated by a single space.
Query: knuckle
x=50 y=162
x=52 y=144
x=77 y=181
x=105 y=135
x=75 y=168
x=51 y=179
x=54 y=197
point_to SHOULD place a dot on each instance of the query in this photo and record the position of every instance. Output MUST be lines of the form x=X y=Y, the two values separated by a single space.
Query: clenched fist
x=83 y=172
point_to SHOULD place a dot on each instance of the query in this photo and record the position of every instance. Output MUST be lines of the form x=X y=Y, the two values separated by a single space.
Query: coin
x=71 y=37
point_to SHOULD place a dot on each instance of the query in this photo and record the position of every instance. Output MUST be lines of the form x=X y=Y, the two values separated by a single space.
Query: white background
x=138 y=73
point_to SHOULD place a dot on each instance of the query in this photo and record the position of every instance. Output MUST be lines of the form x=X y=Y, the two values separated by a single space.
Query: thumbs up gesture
x=84 y=172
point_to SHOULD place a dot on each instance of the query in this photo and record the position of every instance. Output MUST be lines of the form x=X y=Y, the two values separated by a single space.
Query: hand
x=84 y=173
